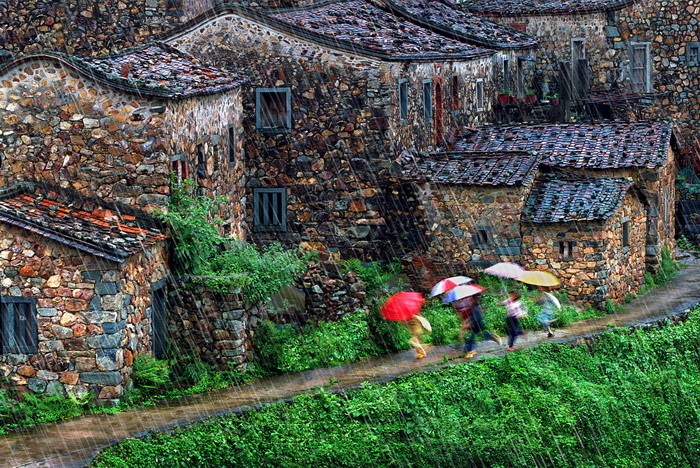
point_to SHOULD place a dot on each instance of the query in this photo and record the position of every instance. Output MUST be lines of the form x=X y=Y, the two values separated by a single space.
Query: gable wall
x=61 y=127
x=92 y=314
x=204 y=121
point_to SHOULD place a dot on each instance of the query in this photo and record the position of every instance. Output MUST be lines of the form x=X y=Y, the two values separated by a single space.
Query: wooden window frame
x=159 y=320
x=12 y=339
x=232 y=141
x=692 y=54
x=178 y=164
x=456 y=101
x=481 y=238
x=269 y=210
x=645 y=67
x=626 y=233
x=566 y=250
x=261 y=102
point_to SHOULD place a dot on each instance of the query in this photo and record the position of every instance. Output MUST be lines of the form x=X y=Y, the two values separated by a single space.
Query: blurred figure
x=472 y=317
x=515 y=310
x=417 y=325
x=550 y=306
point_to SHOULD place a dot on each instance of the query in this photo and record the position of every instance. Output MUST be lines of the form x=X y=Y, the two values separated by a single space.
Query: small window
x=178 y=164
x=506 y=74
x=456 y=104
x=640 y=68
x=231 y=144
x=270 y=210
x=403 y=98
x=566 y=249
x=159 y=320
x=273 y=110
x=481 y=238
x=201 y=162
x=578 y=51
x=428 y=100
x=480 y=95
x=626 y=234
x=20 y=334
x=693 y=53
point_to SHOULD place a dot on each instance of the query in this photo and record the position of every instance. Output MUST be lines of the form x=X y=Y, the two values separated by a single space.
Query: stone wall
x=88 y=27
x=218 y=328
x=62 y=127
x=91 y=313
x=345 y=129
x=329 y=293
x=598 y=268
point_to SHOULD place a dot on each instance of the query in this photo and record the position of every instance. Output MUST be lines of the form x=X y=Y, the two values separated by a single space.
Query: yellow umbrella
x=539 y=278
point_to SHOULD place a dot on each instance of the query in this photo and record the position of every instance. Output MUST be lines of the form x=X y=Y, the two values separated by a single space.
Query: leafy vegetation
x=224 y=264
x=633 y=401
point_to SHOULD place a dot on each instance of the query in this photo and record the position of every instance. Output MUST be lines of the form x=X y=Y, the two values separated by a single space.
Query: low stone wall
x=330 y=294
x=219 y=328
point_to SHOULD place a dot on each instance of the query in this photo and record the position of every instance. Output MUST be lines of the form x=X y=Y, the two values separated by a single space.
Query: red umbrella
x=402 y=306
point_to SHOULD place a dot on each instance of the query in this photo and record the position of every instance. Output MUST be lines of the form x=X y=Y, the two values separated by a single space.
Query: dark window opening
x=626 y=234
x=270 y=210
x=566 y=249
x=456 y=104
x=20 y=333
x=231 y=144
x=179 y=168
x=273 y=110
x=479 y=95
x=428 y=100
x=201 y=162
x=506 y=75
x=403 y=99
x=481 y=237
x=693 y=53
x=159 y=321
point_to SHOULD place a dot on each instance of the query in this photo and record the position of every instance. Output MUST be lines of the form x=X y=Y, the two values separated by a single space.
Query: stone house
x=590 y=232
x=643 y=151
x=82 y=291
x=472 y=204
x=336 y=91
x=114 y=127
x=484 y=208
x=623 y=58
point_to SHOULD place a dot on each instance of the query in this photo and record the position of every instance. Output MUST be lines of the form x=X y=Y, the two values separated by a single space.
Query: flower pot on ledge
x=531 y=98
x=503 y=98
x=555 y=101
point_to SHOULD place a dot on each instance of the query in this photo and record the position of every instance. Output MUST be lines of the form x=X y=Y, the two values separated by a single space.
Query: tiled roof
x=607 y=145
x=563 y=198
x=79 y=223
x=474 y=169
x=164 y=70
x=473 y=28
x=361 y=26
x=540 y=7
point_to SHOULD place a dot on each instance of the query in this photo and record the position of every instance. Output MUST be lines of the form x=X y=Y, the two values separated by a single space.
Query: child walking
x=515 y=311
x=418 y=325
x=550 y=306
x=473 y=320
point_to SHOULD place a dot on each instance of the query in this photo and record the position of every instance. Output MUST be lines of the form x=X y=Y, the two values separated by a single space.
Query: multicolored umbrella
x=462 y=291
x=539 y=278
x=506 y=270
x=402 y=306
x=445 y=285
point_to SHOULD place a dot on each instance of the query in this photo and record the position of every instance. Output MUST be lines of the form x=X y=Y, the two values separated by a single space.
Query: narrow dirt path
x=75 y=442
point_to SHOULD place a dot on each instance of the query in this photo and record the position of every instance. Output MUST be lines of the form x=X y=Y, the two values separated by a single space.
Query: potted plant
x=531 y=96
x=504 y=96
x=554 y=99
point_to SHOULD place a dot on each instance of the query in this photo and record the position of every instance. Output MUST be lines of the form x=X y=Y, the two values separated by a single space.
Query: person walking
x=417 y=325
x=515 y=311
x=550 y=306
x=472 y=317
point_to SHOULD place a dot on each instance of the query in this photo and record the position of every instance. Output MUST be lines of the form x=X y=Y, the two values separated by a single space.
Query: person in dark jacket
x=472 y=317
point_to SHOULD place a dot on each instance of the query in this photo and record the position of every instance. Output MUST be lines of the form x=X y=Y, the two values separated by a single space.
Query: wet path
x=75 y=442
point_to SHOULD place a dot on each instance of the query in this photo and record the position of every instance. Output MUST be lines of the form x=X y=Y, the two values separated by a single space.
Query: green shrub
x=444 y=321
x=151 y=374
x=375 y=275
x=283 y=348
x=224 y=264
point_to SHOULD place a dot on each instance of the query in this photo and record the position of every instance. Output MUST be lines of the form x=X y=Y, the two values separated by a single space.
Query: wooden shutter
x=19 y=334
